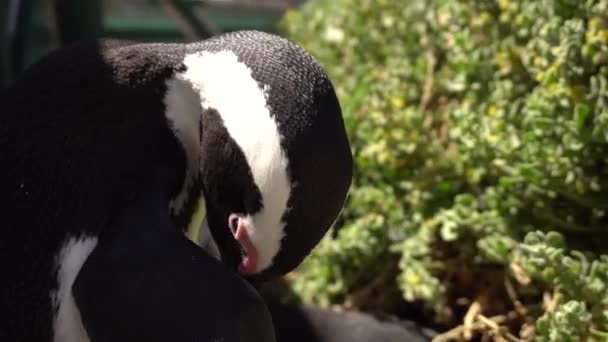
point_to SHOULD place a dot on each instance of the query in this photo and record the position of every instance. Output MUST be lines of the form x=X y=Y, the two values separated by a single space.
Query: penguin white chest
x=67 y=323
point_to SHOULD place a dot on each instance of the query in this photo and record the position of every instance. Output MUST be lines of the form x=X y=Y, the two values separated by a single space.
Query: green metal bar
x=233 y=20
x=116 y=23
x=19 y=28
x=3 y=44
x=148 y=29
x=78 y=19
x=185 y=9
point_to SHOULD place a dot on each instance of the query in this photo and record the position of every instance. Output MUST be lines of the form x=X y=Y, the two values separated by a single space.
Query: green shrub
x=480 y=135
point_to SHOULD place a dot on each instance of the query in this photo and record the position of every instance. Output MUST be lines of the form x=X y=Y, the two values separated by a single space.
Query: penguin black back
x=78 y=131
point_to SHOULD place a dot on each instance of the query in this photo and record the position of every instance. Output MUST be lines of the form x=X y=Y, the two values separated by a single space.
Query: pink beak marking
x=250 y=260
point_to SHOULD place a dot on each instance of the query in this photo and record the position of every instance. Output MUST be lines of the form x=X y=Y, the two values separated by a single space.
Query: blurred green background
x=480 y=135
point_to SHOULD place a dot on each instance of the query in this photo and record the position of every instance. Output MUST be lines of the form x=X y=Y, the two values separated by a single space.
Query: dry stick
x=429 y=79
x=517 y=304
x=469 y=318
x=521 y=309
x=518 y=272
x=456 y=333
x=474 y=313
x=550 y=300
x=497 y=329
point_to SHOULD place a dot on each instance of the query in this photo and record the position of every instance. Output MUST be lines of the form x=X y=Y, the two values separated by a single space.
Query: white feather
x=183 y=112
x=67 y=322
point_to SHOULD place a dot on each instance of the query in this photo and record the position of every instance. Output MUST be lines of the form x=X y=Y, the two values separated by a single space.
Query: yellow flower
x=504 y=4
x=334 y=34
x=398 y=102
x=492 y=110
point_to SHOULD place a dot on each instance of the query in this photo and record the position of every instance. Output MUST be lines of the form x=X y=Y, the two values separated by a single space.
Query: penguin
x=110 y=151
x=284 y=200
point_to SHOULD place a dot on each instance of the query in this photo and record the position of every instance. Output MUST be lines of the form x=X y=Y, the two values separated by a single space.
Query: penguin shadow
x=306 y=323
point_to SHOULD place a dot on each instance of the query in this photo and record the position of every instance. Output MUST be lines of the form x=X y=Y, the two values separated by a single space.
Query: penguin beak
x=238 y=225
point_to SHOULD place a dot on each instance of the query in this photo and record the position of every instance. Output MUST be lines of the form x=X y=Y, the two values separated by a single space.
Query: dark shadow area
x=306 y=323
x=302 y=323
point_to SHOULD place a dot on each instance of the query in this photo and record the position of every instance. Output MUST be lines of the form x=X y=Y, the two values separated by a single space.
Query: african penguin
x=273 y=119
x=109 y=151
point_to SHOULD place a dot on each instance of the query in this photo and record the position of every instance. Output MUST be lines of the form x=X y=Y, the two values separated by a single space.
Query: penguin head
x=275 y=162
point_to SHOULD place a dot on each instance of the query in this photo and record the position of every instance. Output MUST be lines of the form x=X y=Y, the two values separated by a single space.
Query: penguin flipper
x=145 y=281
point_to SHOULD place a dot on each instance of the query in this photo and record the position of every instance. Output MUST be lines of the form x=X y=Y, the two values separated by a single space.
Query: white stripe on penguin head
x=227 y=85
x=183 y=112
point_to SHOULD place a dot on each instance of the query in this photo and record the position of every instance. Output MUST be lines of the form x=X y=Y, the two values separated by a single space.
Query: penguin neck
x=183 y=111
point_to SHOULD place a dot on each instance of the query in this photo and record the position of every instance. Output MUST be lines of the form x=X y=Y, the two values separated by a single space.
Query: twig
x=517 y=304
x=520 y=275
x=457 y=332
x=469 y=318
x=489 y=322
x=497 y=329
x=550 y=300
x=429 y=80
